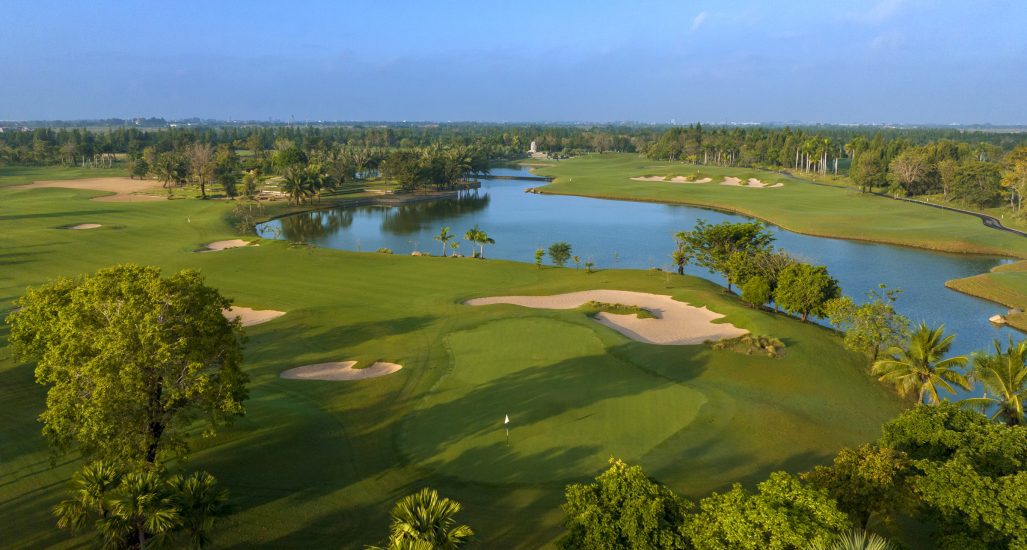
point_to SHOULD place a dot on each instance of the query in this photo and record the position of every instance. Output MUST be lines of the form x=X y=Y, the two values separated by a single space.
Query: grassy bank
x=798 y=205
x=320 y=463
x=1005 y=284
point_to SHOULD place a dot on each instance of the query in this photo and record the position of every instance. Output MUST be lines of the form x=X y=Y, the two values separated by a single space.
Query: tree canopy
x=130 y=360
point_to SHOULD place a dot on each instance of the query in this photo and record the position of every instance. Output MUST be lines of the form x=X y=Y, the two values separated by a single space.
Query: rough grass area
x=319 y=464
x=592 y=308
x=798 y=206
x=22 y=175
x=749 y=344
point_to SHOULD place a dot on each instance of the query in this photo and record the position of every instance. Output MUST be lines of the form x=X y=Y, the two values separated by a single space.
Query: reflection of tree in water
x=319 y=223
x=412 y=218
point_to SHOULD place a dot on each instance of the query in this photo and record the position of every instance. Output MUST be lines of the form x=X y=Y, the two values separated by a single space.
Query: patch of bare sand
x=124 y=189
x=340 y=370
x=752 y=182
x=217 y=246
x=249 y=316
x=85 y=226
x=683 y=179
x=677 y=323
x=650 y=178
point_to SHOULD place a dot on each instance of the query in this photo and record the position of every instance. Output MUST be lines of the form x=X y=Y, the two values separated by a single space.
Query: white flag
x=507 y=421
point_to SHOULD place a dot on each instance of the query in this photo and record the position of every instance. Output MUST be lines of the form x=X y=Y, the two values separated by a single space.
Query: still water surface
x=638 y=235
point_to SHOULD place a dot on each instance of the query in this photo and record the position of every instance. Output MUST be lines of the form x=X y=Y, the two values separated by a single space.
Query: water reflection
x=430 y=216
x=310 y=226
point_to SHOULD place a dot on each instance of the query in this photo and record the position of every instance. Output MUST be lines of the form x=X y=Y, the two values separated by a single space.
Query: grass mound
x=592 y=307
x=749 y=344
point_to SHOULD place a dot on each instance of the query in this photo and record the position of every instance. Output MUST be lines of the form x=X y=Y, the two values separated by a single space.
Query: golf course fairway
x=319 y=463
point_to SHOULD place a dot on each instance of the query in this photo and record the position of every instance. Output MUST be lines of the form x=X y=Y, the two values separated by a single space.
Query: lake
x=639 y=235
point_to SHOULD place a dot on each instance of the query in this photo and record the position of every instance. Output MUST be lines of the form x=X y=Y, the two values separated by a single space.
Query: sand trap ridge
x=85 y=226
x=677 y=323
x=683 y=179
x=340 y=370
x=729 y=180
x=249 y=316
x=124 y=189
x=752 y=182
x=217 y=246
x=649 y=178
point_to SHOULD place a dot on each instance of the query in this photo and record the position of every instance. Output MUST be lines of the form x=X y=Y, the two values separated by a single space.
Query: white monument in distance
x=533 y=148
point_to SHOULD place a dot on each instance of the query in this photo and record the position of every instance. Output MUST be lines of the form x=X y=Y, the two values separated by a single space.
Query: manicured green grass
x=320 y=463
x=1005 y=284
x=798 y=206
x=21 y=175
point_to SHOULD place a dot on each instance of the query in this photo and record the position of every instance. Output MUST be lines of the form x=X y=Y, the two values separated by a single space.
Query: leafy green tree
x=477 y=236
x=133 y=361
x=249 y=185
x=589 y=264
x=298 y=185
x=868 y=171
x=539 y=254
x=577 y=261
x=711 y=246
x=623 y=509
x=1004 y=375
x=919 y=368
x=425 y=520
x=171 y=169
x=783 y=513
x=805 y=290
x=226 y=169
x=872 y=326
x=559 y=253
x=866 y=481
x=289 y=158
x=756 y=291
x=972 y=477
x=977 y=183
x=444 y=237
x=139 y=169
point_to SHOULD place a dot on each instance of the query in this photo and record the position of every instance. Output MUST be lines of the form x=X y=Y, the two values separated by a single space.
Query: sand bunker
x=85 y=226
x=753 y=182
x=650 y=178
x=683 y=179
x=340 y=370
x=124 y=189
x=677 y=323
x=217 y=246
x=249 y=316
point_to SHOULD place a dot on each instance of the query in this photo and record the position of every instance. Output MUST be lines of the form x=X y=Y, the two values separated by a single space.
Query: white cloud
x=699 y=20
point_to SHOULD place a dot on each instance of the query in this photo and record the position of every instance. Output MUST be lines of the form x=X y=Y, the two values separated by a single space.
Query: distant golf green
x=797 y=205
x=320 y=463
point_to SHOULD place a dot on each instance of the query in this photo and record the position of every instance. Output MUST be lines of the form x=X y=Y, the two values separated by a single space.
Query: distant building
x=534 y=148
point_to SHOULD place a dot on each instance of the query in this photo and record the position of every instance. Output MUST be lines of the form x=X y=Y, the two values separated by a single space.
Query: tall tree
x=805 y=289
x=872 y=326
x=444 y=237
x=711 y=246
x=559 y=253
x=920 y=368
x=133 y=361
x=201 y=164
x=623 y=509
x=1004 y=375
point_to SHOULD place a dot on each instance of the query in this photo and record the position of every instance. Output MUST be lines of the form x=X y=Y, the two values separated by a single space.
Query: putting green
x=571 y=405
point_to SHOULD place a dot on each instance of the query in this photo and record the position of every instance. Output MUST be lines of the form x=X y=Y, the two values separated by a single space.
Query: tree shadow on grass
x=58 y=214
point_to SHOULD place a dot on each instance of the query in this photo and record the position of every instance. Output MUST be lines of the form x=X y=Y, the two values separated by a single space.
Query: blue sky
x=897 y=61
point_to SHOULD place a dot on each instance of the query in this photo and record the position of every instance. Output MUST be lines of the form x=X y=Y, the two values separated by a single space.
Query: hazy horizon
x=903 y=62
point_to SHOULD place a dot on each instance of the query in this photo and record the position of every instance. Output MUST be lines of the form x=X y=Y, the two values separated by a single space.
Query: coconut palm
x=298 y=185
x=444 y=237
x=855 y=539
x=90 y=495
x=1004 y=375
x=424 y=520
x=200 y=503
x=920 y=368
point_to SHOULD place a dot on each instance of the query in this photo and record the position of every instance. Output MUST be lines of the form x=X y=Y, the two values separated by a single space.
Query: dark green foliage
x=750 y=344
x=592 y=307
x=756 y=291
x=977 y=183
x=865 y=481
x=623 y=509
x=559 y=253
x=805 y=289
x=714 y=246
x=782 y=513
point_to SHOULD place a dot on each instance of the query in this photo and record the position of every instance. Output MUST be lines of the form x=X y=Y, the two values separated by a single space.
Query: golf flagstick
x=506 y=423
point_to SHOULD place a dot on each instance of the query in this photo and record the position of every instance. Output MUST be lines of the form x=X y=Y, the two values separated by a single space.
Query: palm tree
x=485 y=239
x=297 y=184
x=919 y=366
x=143 y=510
x=444 y=236
x=200 y=503
x=855 y=539
x=90 y=495
x=1003 y=374
x=473 y=235
x=424 y=520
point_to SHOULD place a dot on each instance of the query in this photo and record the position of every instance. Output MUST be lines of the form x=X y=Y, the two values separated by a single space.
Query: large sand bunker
x=124 y=189
x=677 y=323
x=340 y=370
x=649 y=178
x=683 y=179
x=752 y=182
x=249 y=316
x=217 y=246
